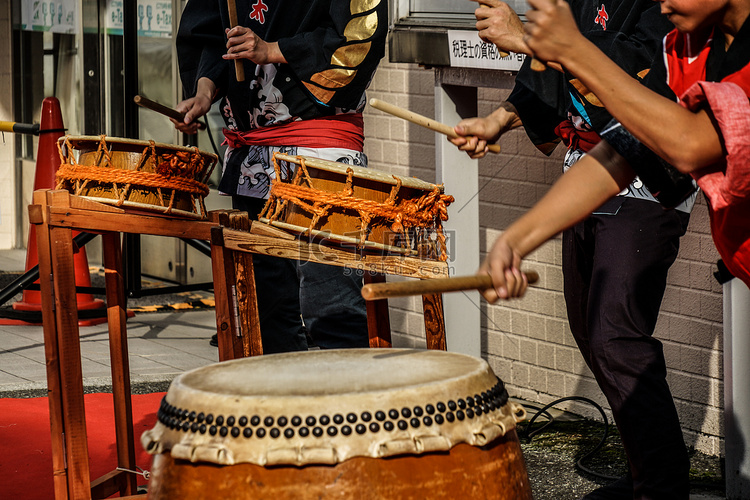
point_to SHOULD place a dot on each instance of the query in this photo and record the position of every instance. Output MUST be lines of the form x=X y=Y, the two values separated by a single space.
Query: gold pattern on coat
x=351 y=56
x=324 y=84
x=360 y=6
x=334 y=78
x=586 y=93
x=320 y=94
x=362 y=27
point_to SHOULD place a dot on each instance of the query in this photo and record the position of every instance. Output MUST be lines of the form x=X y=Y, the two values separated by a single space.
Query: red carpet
x=25 y=456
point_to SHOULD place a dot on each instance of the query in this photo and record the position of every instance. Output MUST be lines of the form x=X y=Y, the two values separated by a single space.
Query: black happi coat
x=332 y=48
x=629 y=32
x=670 y=186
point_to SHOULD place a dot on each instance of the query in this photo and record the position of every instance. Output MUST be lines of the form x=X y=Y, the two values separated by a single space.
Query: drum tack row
x=405 y=424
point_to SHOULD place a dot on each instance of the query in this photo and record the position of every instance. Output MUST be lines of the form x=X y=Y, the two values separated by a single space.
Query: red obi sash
x=337 y=131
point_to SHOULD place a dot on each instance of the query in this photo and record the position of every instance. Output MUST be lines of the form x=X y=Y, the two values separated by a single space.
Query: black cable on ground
x=528 y=434
x=213 y=143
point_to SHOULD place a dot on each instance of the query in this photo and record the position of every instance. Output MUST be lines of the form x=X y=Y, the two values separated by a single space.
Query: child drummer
x=706 y=64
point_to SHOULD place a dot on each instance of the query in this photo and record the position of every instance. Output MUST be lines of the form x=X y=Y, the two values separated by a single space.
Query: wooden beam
x=246 y=293
x=109 y=484
x=51 y=352
x=118 y=353
x=434 y=321
x=229 y=334
x=131 y=223
x=378 y=316
x=68 y=341
x=314 y=252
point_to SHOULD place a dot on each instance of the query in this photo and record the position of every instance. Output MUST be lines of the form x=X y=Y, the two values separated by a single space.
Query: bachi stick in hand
x=164 y=110
x=420 y=120
x=538 y=65
x=239 y=70
x=377 y=291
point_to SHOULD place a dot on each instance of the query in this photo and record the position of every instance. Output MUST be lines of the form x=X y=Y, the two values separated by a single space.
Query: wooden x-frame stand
x=56 y=214
x=233 y=241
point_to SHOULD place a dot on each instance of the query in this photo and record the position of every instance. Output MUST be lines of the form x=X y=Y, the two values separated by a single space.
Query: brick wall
x=528 y=342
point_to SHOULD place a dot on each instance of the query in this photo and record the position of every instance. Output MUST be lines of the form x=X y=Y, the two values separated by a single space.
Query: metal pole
x=132 y=242
x=737 y=389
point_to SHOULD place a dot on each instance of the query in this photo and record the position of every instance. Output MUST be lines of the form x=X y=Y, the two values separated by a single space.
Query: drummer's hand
x=243 y=43
x=503 y=264
x=193 y=108
x=476 y=133
x=551 y=30
x=473 y=134
x=499 y=24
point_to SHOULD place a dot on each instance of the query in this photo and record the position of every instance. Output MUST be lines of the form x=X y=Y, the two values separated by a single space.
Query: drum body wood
x=362 y=206
x=142 y=175
x=496 y=471
x=347 y=221
x=357 y=423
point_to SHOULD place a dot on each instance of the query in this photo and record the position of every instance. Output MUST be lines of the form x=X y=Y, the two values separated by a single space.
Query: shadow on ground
x=552 y=459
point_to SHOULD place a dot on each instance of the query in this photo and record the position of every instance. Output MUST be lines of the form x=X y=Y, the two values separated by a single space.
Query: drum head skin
x=324 y=407
x=359 y=172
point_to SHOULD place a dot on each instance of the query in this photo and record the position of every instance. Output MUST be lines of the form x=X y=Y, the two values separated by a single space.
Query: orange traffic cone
x=47 y=163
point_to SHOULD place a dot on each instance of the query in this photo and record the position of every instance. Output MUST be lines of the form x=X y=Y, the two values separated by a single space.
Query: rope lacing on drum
x=174 y=172
x=427 y=211
x=141 y=472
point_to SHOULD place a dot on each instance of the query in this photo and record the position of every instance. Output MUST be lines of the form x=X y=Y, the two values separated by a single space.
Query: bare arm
x=689 y=142
x=593 y=180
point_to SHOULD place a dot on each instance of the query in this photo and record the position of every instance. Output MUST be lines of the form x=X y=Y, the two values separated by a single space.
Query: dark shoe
x=621 y=489
x=214 y=340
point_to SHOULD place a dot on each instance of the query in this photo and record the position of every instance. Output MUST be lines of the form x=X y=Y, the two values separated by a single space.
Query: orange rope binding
x=426 y=212
x=174 y=172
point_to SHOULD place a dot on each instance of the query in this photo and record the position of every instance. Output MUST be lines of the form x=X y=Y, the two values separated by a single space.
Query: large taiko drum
x=361 y=206
x=344 y=424
x=135 y=174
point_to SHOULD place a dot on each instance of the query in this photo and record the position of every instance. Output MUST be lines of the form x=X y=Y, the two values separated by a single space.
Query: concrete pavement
x=162 y=345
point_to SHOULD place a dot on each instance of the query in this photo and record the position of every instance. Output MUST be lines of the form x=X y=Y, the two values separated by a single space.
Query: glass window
x=438 y=7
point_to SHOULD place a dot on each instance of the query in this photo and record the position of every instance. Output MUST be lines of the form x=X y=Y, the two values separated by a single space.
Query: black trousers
x=615 y=268
x=295 y=298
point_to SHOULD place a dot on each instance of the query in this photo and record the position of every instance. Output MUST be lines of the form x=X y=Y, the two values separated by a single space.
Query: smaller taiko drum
x=136 y=174
x=359 y=206
x=344 y=424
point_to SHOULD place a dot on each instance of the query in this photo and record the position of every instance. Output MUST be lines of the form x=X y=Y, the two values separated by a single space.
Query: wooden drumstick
x=376 y=291
x=164 y=110
x=536 y=64
x=239 y=69
x=421 y=120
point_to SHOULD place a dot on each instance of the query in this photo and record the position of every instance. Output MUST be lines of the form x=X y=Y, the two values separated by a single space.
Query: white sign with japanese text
x=56 y=16
x=467 y=50
x=154 y=18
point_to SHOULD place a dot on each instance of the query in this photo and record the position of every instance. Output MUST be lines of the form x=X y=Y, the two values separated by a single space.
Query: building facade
x=527 y=341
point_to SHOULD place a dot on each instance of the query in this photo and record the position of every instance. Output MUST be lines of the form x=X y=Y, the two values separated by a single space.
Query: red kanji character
x=258 y=12
x=602 y=17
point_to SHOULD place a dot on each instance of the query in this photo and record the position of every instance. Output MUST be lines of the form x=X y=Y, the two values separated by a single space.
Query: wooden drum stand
x=56 y=214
